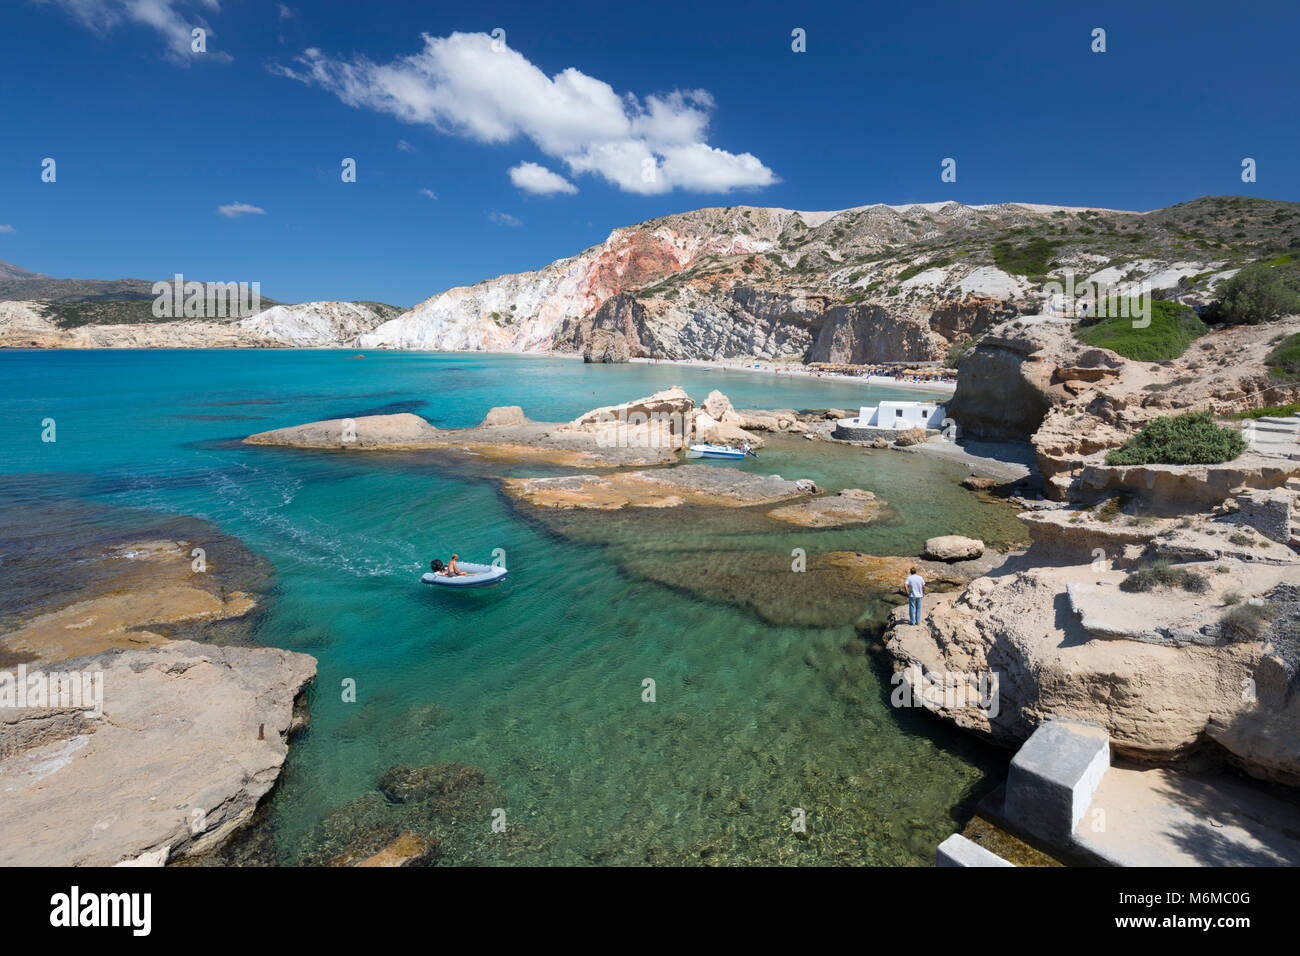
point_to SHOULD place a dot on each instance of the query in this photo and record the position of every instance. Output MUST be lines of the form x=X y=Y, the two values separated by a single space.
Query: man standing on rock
x=915 y=586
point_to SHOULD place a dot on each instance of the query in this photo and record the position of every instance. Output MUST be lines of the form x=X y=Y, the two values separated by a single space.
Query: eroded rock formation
x=108 y=789
x=1156 y=662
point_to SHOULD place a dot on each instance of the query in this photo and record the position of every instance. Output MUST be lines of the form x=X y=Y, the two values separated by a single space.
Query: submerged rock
x=850 y=506
x=69 y=599
x=369 y=431
x=419 y=816
x=409 y=849
x=660 y=488
x=403 y=784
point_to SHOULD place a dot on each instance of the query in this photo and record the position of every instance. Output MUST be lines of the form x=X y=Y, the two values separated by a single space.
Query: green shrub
x=1256 y=294
x=1189 y=439
x=918 y=269
x=956 y=352
x=1284 y=361
x=1273 y=411
x=1032 y=258
x=1109 y=511
x=1172 y=328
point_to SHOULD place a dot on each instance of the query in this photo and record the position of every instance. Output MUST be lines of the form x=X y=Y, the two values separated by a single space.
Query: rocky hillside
x=873 y=283
x=8 y=271
x=868 y=284
x=1032 y=379
x=308 y=325
x=17 y=283
x=39 y=311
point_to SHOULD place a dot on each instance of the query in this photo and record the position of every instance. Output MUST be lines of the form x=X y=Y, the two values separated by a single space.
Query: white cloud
x=6 y=229
x=462 y=87
x=504 y=219
x=172 y=19
x=240 y=209
x=540 y=181
x=426 y=191
x=285 y=12
x=404 y=146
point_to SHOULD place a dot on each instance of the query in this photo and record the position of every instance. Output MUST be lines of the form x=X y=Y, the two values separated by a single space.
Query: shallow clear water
x=538 y=682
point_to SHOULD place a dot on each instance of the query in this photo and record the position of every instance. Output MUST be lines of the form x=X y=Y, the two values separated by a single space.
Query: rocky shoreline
x=170 y=744
x=203 y=729
x=1154 y=600
x=1135 y=606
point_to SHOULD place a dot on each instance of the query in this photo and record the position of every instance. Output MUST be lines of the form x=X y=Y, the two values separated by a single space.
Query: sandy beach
x=803 y=371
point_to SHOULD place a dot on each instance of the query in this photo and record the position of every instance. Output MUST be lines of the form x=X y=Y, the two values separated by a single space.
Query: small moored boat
x=476 y=576
x=716 y=451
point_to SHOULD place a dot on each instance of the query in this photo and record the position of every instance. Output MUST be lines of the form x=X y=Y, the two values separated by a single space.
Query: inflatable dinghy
x=477 y=576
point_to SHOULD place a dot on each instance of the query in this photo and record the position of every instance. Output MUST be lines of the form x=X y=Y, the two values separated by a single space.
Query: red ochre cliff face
x=862 y=285
x=641 y=258
x=525 y=311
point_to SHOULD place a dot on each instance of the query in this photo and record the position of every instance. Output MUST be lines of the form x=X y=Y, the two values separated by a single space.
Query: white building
x=899 y=415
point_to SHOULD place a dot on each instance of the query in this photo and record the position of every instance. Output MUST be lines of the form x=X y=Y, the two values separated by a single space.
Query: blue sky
x=151 y=140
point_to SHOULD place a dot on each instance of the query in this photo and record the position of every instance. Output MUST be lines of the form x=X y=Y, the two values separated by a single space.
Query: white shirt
x=915 y=585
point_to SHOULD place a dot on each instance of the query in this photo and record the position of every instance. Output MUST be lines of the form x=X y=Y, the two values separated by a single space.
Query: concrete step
x=1287 y=452
x=1053 y=777
x=959 y=851
x=1294 y=422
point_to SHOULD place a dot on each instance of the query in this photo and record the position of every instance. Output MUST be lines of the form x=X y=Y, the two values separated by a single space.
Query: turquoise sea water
x=758 y=712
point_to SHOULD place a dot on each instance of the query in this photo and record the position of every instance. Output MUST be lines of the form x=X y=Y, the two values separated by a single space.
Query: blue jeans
x=914 y=608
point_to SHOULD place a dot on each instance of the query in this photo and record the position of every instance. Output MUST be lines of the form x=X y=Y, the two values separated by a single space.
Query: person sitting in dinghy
x=446 y=570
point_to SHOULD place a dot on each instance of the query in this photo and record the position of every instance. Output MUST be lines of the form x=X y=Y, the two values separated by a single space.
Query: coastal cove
x=767 y=700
